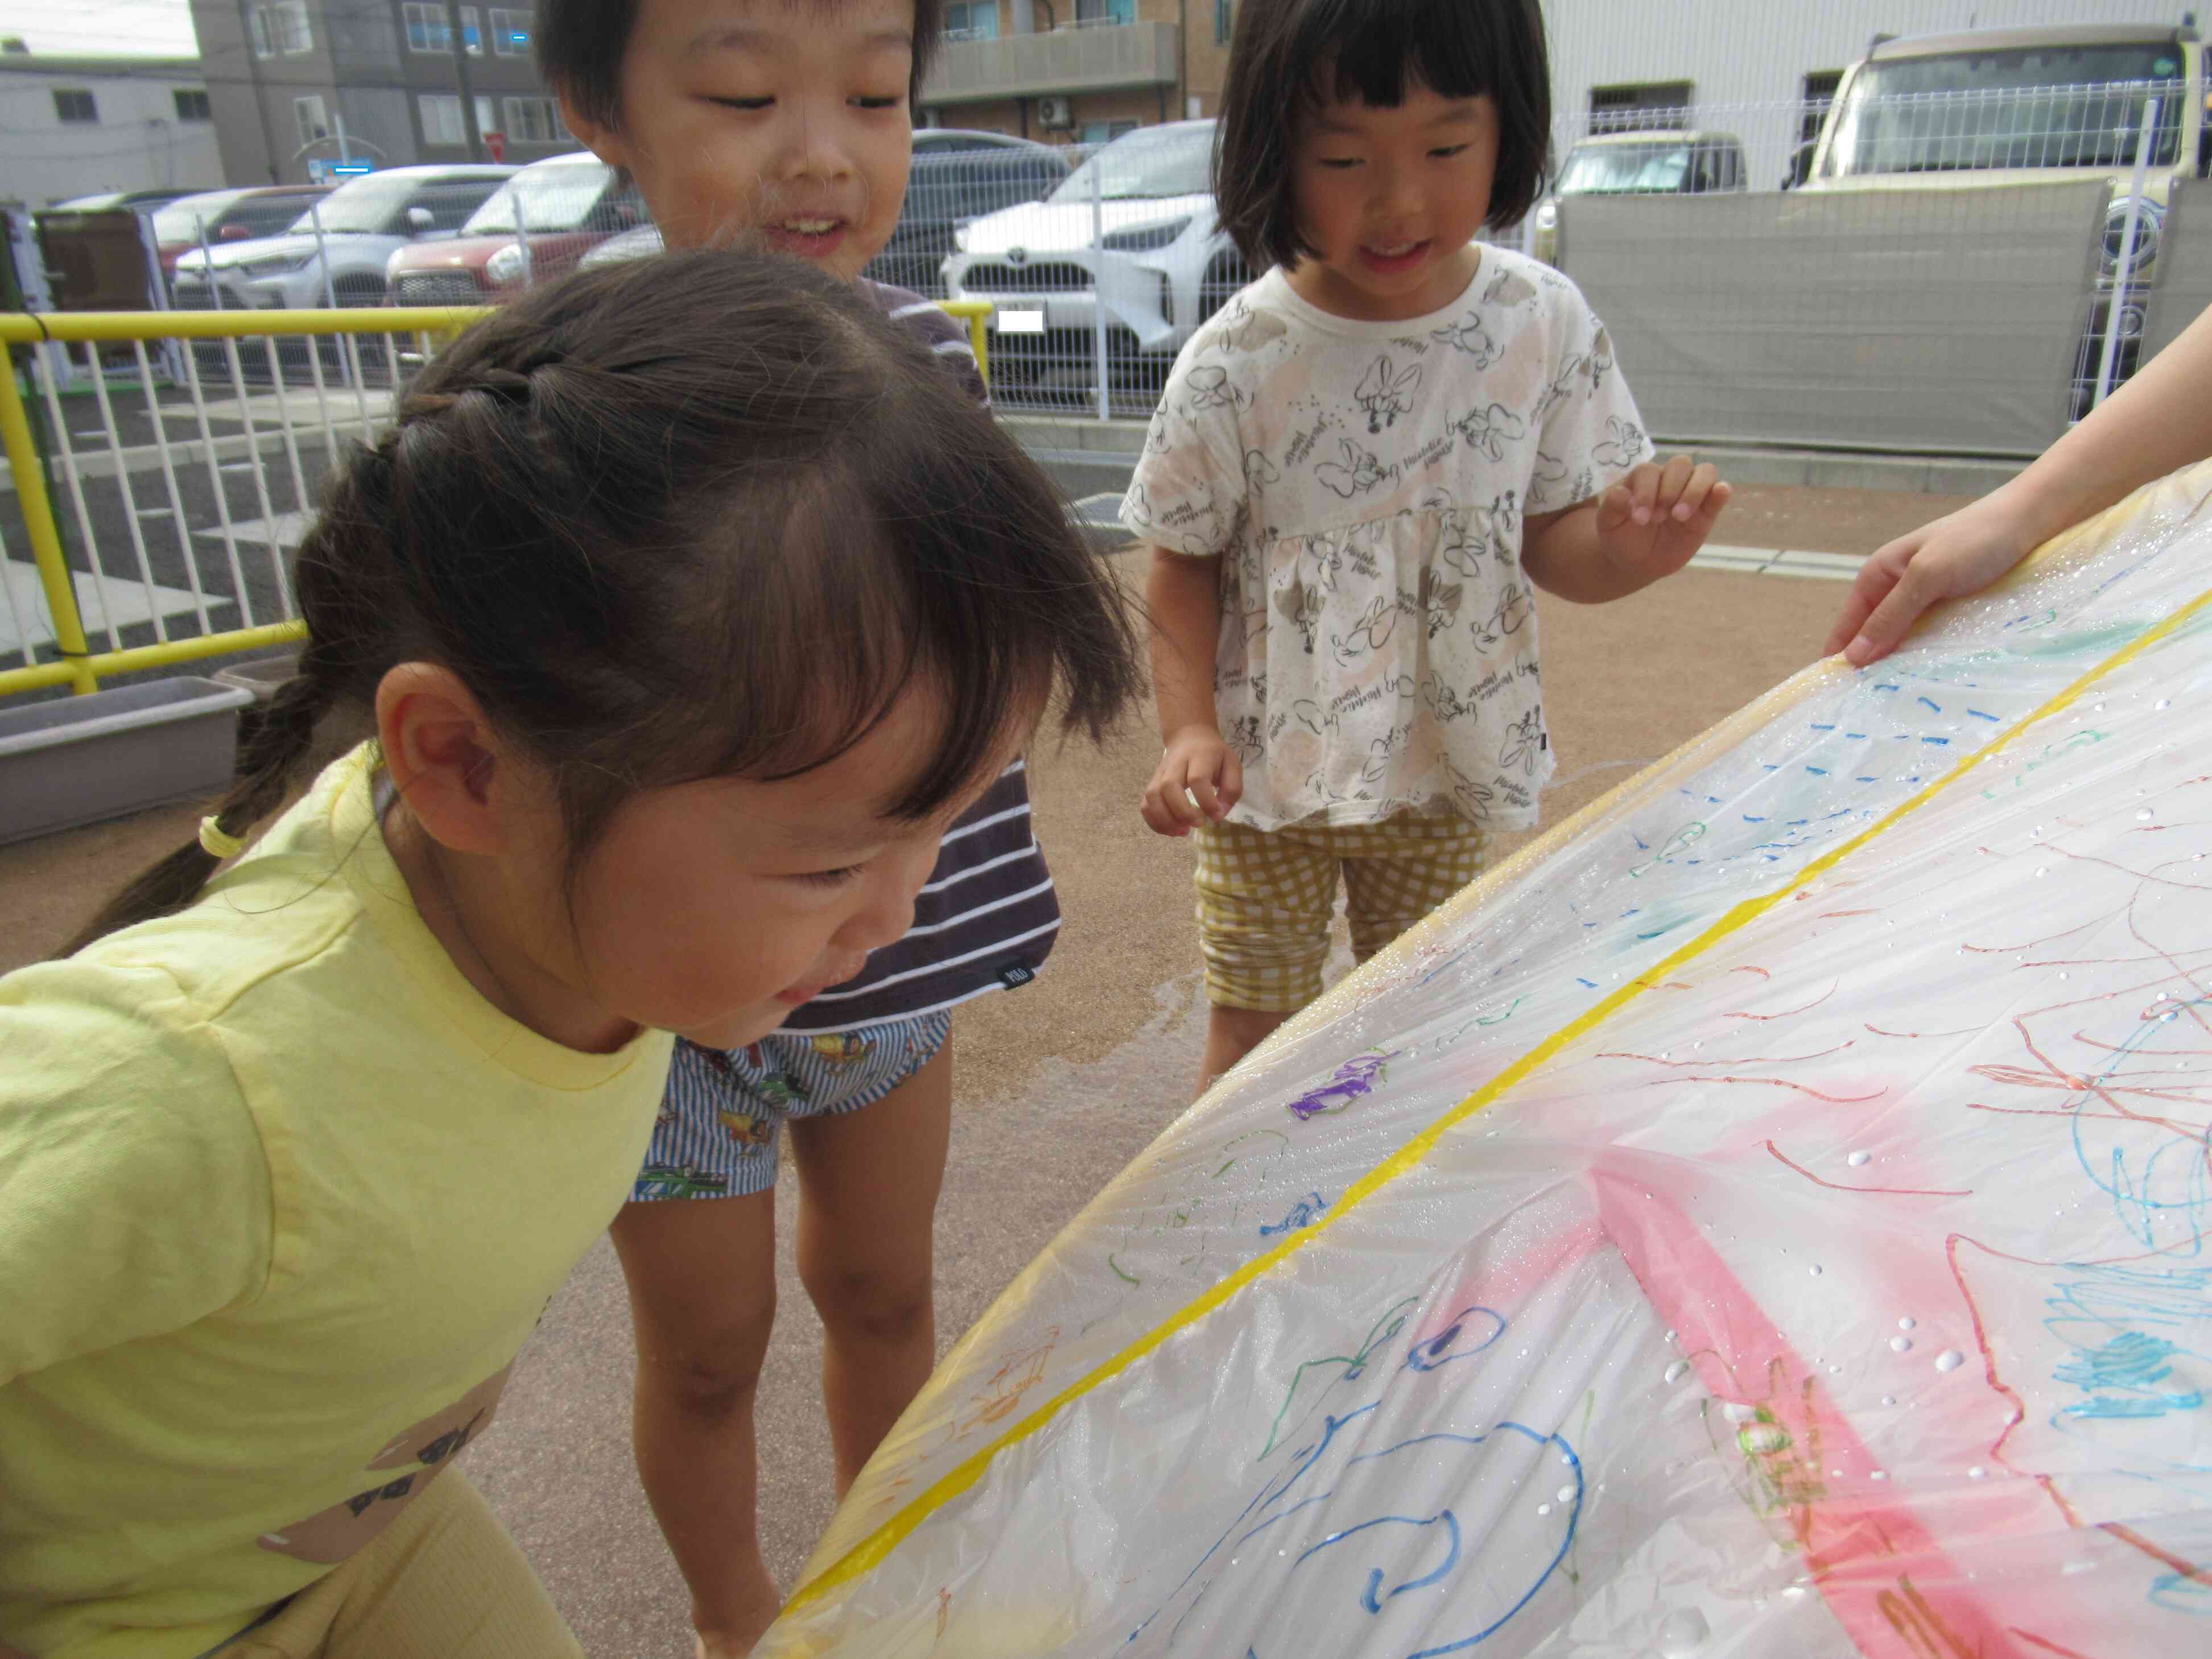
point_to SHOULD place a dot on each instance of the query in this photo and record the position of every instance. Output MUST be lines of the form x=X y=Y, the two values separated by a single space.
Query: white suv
x=362 y=222
x=1158 y=257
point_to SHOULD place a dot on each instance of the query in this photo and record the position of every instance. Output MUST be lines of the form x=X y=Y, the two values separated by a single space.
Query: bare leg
x=868 y=1182
x=1231 y=1034
x=701 y=1275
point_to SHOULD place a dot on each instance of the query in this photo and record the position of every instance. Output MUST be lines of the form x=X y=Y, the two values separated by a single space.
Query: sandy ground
x=1058 y=1084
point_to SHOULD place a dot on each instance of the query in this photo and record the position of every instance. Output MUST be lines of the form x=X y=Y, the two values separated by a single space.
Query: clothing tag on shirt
x=1014 y=975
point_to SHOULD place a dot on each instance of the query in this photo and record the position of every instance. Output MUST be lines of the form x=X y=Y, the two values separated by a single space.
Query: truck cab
x=2003 y=106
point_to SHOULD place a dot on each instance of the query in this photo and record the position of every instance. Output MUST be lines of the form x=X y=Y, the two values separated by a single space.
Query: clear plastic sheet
x=1766 y=1217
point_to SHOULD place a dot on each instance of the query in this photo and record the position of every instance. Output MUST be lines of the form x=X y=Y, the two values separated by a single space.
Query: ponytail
x=272 y=742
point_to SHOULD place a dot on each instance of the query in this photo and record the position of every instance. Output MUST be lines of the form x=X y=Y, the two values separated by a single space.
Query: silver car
x=361 y=224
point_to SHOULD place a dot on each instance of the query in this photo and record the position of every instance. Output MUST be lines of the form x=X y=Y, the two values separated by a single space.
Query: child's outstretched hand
x=1652 y=521
x=1960 y=554
x=1196 y=762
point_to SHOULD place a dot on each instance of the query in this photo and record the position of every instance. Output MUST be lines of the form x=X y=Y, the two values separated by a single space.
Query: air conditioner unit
x=1055 y=113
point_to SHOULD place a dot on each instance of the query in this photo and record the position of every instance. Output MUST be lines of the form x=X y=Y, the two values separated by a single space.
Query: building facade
x=297 y=84
x=79 y=126
x=1087 y=71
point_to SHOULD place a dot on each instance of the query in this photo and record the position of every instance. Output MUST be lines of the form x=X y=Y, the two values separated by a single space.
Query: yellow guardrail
x=81 y=667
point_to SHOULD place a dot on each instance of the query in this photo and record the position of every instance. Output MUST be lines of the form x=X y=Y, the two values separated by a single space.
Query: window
x=1090 y=14
x=310 y=117
x=534 y=121
x=74 y=104
x=1819 y=93
x=1105 y=132
x=1645 y=107
x=511 y=31
x=441 y=118
x=192 y=104
x=978 y=20
x=282 y=30
x=430 y=28
x=1223 y=18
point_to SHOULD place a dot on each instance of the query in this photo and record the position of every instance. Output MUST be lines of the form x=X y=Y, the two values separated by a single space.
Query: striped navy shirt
x=987 y=918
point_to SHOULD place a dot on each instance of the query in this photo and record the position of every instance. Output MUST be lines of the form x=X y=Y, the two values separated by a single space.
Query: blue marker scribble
x=1303 y=1213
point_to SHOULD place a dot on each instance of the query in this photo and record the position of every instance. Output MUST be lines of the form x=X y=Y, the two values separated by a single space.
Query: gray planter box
x=77 y=760
x=262 y=677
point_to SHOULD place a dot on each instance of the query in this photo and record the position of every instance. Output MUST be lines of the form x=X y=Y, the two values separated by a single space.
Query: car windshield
x=2043 y=106
x=182 y=219
x=1620 y=169
x=1146 y=165
x=553 y=198
x=373 y=206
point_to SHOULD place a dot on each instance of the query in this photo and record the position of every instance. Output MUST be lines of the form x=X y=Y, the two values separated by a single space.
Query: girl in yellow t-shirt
x=687 y=602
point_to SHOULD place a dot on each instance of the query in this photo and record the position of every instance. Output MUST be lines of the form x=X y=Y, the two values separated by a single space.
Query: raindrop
x=1761 y=1438
x=1879 y=1474
x=1567 y=1494
x=1976 y=1473
x=1835 y=1370
x=1889 y=1400
x=1815 y=1270
x=2143 y=815
x=2163 y=702
x=1737 y=1412
x=1541 y=1508
x=1949 y=1360
x=2042 y=869
x=1859 y=1160
x=1900 y=1344
x=1682 y=1632
x=1678 y=1371
x=1907 y=1322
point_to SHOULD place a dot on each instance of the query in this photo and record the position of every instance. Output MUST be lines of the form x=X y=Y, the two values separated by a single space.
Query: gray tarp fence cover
x=2184 y=285
x=1938 y=320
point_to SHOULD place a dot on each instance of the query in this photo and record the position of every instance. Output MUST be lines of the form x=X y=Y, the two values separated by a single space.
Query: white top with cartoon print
x=1363 y=485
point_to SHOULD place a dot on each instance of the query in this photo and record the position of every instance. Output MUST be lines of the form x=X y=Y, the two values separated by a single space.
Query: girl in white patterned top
x=1361 y=468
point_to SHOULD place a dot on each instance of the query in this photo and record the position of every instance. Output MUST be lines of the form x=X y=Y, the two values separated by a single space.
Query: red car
x=229 y=216
x=569 y=205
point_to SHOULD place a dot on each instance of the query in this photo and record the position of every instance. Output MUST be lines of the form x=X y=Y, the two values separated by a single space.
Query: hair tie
x=217 y=842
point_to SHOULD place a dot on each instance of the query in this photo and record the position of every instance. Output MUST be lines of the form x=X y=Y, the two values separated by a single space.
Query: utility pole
x=461 y=79
x=254 y=80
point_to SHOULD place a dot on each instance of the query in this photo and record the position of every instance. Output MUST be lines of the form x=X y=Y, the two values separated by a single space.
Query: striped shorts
x=717 y=1133
x=1265 y=896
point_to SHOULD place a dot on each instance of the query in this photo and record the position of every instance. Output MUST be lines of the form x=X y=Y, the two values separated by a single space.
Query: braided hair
x=705 y=515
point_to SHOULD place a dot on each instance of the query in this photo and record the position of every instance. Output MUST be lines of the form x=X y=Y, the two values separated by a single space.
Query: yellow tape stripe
x=871 y=1551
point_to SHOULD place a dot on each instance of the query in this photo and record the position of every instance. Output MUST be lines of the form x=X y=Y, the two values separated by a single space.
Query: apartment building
x=79 y=126
x=1077 y=71
x=297 y=84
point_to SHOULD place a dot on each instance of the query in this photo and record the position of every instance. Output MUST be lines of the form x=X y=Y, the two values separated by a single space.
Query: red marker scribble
x=2135 y=1540
x=1787 y=1013
x=1746 y=1060
x=2046 y=1643
x=1838 y=1187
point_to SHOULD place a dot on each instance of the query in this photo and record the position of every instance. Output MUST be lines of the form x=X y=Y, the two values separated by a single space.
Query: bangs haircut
x=582 y=45
x=1294 y=55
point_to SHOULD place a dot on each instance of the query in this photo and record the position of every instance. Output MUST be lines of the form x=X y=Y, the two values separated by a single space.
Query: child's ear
x=603 y=141
x=456 y=777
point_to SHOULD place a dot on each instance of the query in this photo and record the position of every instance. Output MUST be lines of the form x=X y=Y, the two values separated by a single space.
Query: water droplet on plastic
x=1879 y=1474
x=1900 y=1344
x=2042 y=869
x=1681 y=1633
x=1678 y=1371
x=1737 y=1412
x=1566 y=1494
x=1815 y=1270
x=1907 y=1322
x=2163 y=702
x=1859 y=1160
x=2143 y=815
x=1949 y=1360
x=1889 y=1400
x=1541 y=1508
x=1835 y=1370
x=1976 y=1473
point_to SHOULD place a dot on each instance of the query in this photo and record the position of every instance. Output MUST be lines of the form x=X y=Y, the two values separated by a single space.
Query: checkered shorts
x=1264 y=897
x=716 y=1136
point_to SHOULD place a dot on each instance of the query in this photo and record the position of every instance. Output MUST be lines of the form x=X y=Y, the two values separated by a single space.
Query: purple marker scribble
x=1355 y=1077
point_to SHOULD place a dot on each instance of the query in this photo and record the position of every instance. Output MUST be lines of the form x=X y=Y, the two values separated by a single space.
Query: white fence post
x=1098 y=287
x=2116 y=307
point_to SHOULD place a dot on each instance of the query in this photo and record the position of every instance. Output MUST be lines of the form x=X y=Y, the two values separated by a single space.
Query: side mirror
x=420 y=218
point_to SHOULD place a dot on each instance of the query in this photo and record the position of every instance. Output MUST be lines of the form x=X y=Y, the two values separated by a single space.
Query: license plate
x=1018 y=322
